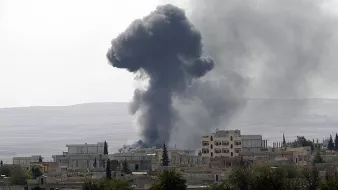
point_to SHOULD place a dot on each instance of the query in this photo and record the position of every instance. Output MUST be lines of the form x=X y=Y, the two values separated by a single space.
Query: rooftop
x=86 y=144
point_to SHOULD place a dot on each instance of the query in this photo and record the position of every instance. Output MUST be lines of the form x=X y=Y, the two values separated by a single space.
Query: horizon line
x=84 y=103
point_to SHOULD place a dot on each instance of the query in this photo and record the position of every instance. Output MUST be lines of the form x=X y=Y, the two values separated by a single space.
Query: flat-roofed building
x=230 y=143
x=80 y=149
x=26 y=161
x=82 y=156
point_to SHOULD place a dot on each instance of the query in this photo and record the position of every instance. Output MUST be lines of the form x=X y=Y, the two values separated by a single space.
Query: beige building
x=230 y=143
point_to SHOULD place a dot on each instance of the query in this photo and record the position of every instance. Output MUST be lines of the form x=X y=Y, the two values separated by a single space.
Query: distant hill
x=33 y=130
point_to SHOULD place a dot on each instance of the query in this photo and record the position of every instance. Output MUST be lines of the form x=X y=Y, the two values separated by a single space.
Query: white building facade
x=82 y=156
x=26 y=161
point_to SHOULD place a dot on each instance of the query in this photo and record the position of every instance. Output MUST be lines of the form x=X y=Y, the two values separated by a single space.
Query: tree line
x=256 y=177
x=333 y=145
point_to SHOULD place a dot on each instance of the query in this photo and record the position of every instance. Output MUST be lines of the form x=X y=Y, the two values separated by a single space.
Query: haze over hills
x=46 y=130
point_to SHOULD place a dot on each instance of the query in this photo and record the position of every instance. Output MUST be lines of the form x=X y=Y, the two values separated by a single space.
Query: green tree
x=36 y=172
x=114 y=165
x=105 y=184
x=329 y=184
x=95 y=163
x=108 y=170
x=312 y=178
x=301 y=141
x=165 y=157
x=291 y=171
x=125 y=167
x=242 y=163
x=330 y=144
x=1 y=163
x=284 y=142
x=267 y=177
x=222 y=186
x=91 y=185
x=18 y=176
x=6 y=170
x=336 y=142
x=170 y=180
x=105 y=148
x=317 y=159
x=240 y=177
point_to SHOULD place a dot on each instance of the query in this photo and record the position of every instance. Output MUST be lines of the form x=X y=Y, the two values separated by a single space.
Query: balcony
x=225 y=151
x=205 y=151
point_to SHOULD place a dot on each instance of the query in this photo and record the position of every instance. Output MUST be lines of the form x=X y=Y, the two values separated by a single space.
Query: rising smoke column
x=165 y=47
x=272 y=50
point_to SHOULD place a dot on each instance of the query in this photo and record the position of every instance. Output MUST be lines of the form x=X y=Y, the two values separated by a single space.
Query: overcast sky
x=52 y=52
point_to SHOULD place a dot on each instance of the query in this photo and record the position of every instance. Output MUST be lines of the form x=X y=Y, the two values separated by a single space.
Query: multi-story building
x=82 y=156
x=81 y=149
x=26 y=161
x=230 y=143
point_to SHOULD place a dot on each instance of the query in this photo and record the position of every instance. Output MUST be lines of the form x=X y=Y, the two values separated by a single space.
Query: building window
x=231 y=138
x=211 y=138
x=217 y=143
x=238 y=143
x=225 y=143
x=232 y=146
x=205 y=151
x=217 y=151
x=225 y=150
x=232 y=154
x=211 y=146
x=211 y=154
x=205 y=143
x=238 y=150
x=136 y=167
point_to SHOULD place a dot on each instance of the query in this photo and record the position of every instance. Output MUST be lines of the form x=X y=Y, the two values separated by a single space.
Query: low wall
x=12 y=187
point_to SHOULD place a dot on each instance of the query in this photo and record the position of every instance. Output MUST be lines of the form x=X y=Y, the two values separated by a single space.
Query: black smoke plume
x=165 y=47
x=271 y=55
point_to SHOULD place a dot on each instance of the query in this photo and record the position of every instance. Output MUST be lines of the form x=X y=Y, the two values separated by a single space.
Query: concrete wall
x=12 y=187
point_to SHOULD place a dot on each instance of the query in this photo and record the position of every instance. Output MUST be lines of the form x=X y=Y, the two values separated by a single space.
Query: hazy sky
x=52 y=52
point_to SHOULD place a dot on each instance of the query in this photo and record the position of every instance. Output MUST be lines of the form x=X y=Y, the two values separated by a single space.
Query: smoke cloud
x=267 y=49
x=166 y=48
